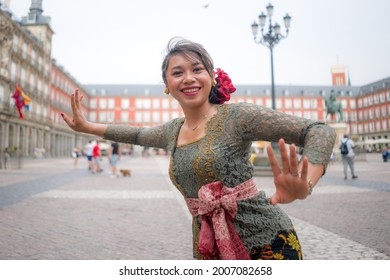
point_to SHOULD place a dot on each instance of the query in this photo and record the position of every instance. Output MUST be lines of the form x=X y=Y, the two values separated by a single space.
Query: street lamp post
x=270 y=39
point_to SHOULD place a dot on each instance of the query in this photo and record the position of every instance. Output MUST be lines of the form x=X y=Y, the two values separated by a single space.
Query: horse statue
x=333 y=107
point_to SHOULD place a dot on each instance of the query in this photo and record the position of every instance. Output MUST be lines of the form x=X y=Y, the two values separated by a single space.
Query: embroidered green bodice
x=223 y=155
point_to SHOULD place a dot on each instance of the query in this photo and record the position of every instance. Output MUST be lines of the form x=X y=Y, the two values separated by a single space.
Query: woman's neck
x=197 y=116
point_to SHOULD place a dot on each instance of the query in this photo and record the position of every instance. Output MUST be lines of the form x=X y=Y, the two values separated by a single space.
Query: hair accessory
x=166 y=90
x=223 y=88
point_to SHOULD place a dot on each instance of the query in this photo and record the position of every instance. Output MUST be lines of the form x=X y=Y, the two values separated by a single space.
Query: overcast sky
x=123 y=41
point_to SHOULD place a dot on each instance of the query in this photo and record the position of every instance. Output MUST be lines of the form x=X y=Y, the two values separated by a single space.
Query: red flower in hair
x=225 y=86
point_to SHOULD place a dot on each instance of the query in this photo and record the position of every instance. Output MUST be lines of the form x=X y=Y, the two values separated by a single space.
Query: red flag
x=21 y=100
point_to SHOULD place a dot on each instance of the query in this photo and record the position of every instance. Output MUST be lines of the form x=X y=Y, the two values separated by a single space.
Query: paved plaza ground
x=51 y=210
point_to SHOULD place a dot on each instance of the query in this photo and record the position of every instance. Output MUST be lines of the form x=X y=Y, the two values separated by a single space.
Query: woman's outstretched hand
x=78 y=122
x=290 y=183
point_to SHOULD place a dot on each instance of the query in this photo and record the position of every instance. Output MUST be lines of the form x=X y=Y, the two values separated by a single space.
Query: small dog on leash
x=125 y=172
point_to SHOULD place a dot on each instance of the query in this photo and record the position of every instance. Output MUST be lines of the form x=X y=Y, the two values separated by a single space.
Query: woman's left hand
x=290 y=183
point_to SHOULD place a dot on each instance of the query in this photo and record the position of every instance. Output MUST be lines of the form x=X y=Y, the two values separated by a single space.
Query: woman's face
x=188 y=81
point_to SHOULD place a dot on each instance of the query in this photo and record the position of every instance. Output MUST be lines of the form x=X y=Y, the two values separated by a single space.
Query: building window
x=175 y=115
x=93 y=103
x=175 y=104
x=259 y=101
x=13 y=71
x=33 y=57
x=165 y=104
x=297 y=103
x=382 y=97
x=102 y=116
x=110 y=116
x=370 y=100
x=165 y=116
x=377 y=113
x=307 y=115
x=384 y=125
x=92 y=116
x=156 y=117
x=314 y=115
x=32 y=82
x=111 y=103
x=23 y=76
x=147 y=103
x=124 y=116
x=24 y=51
x=138 y=117
x=156 y=103
x=376 y=99
x=102 y=103
x=278 y=103
x=287 y=103
x=298 y=114
x=268 y=103
x=352 y=104
x=146 y=116
x=15 y=44
x=125 y=103
x=2 y=94
x=138 y=103
x=306 y=103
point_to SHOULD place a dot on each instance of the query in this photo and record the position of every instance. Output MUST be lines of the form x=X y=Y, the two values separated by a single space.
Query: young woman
x=232 y=218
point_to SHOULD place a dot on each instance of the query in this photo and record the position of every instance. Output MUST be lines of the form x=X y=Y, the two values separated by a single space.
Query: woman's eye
x=176 y=73
x=198 y=69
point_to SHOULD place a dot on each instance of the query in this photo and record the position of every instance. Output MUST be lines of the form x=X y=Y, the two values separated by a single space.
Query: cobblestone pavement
x=51 y=210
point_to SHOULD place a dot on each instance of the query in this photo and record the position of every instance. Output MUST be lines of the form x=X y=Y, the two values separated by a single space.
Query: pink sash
x=218 y=207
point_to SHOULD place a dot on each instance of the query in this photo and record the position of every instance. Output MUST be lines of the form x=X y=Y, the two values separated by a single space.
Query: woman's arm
x=158 y=137
x=293 y=179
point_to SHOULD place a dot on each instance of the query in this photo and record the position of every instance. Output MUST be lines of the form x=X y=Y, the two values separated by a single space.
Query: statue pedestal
x=261 y=164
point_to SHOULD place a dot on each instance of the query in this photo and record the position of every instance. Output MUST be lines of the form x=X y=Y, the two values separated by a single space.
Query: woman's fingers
x=305 y=166
x=275 y=199
x=293 y=161
x=77 y=98
x=273 y=162
x=67 y=119
x=284 y=157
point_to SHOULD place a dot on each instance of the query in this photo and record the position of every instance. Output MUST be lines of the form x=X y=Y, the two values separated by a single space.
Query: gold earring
x=166 y=91
x=214 y=82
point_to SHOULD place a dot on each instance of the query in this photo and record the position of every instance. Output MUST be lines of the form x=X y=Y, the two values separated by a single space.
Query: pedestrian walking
x=96 y=158
x=385 y=152
x=89 y=153
x=210 y=165
x=75 y=155
x=114 y=155
x=346 y=146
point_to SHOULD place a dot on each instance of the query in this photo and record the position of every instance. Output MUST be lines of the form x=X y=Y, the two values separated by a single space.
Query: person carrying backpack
x=346 y=146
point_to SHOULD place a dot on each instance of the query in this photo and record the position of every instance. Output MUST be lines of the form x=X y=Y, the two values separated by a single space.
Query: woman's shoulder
x=243 y=108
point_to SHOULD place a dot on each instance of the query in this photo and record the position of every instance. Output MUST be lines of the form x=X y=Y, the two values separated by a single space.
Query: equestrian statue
x=333 y=107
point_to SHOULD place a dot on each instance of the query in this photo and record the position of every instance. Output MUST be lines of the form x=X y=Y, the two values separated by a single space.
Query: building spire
x=36 y=7
x=35 y=15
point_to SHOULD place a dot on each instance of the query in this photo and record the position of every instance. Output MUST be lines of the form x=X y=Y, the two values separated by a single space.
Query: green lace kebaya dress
x=223 y=155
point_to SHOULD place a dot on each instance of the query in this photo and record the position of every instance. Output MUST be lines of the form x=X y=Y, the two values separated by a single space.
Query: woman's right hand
x=78 y=122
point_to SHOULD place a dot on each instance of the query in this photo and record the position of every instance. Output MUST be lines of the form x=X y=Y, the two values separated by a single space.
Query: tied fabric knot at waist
x=217 y=205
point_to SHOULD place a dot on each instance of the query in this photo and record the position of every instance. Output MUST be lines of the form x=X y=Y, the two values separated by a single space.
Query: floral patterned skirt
x=285 y=247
